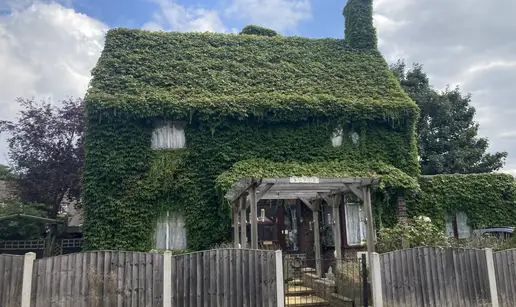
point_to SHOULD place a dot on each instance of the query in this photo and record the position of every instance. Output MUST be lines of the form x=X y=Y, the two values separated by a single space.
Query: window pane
x=176 y=232
x=354 y=224
x=449 y=225
x=462 y=225
x=168 y=136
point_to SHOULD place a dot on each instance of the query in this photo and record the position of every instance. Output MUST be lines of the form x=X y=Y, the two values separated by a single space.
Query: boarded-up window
x=355 y=224
x=171 y=227
x=457 y=225
x=168 y=135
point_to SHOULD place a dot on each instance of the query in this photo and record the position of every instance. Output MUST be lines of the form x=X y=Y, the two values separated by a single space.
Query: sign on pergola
x=311 y=191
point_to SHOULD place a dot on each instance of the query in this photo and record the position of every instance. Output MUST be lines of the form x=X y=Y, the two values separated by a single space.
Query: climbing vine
x=270 y=102
x=487 y=199
x=360 y=32
x=256 y=30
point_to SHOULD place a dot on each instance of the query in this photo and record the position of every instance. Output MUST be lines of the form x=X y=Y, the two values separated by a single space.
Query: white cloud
x=175 y=17
x=46 y=50
x=466 y=42
x=279 y=15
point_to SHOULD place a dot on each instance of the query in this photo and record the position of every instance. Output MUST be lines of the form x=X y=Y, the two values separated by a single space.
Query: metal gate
x=341 y=283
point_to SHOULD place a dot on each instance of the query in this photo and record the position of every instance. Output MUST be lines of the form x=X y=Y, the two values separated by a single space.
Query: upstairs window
x=168 y=135
x=336 y=139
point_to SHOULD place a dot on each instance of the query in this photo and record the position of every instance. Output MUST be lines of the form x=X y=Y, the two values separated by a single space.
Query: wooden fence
x=435 y=277
x=505 y=267
x=225 y=277
x=11 y=276
x=98 y=279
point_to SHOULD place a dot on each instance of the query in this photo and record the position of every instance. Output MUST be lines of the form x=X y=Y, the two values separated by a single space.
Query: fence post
x=492 y=277
x=167 y=279
x=280 y=282
x=28 y=265
x=376 y=280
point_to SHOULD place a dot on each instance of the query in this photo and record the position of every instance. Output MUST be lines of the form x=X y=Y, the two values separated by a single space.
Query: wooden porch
x=310 y=191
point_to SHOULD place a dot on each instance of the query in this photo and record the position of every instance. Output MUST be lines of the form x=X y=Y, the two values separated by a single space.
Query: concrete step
x=308 y=270
x=305 y=301
x=298 y=290
x=295 y=282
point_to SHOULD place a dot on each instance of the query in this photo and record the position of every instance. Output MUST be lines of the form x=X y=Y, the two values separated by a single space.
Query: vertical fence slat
x=206 y=279
x=141 y=279
x=511 y=292
x=239 y=281
x=226 y=278
x=245 y=281
x=193 y=280
x=232 y=277
x=174 y=281
x=218 y=267
x=264 y=293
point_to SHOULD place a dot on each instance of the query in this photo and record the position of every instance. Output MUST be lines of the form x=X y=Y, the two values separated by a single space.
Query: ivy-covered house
x=174 y=119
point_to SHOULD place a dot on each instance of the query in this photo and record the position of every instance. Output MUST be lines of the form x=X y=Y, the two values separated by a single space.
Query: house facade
x=171 y=117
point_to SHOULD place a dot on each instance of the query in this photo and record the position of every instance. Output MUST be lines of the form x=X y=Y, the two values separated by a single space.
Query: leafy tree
x=447 y=133
x=46 y=152
x=4 y=172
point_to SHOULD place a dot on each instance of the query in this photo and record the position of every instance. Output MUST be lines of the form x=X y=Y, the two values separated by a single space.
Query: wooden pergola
x=311 y=191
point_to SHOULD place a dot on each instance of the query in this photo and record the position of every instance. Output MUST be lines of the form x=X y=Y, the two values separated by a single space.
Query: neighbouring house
x=175 y=120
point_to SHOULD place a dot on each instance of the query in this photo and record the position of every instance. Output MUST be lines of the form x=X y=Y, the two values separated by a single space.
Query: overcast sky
x=47 y=48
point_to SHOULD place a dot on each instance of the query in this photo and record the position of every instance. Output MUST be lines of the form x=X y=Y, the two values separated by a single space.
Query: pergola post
x=243 y=222
x=235 y=225
x=317 y=238
x=337 y=237
x=254 y=217
x=370 y=223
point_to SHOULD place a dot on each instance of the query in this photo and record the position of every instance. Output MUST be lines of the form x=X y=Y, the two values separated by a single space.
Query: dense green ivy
x=273 y=100
x=256 y=30
x=390 y=176
x=360 y=32
x=487 y=199
x=126 y=187
x=216 y=75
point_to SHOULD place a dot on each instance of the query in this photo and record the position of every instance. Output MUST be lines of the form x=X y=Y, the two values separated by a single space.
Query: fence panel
x=435 y=277
x=11 y=276
x=505 y=268
x=95 y=279
x=213 y=278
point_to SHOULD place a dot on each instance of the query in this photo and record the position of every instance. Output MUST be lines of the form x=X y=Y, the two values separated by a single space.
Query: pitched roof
x=152 y=73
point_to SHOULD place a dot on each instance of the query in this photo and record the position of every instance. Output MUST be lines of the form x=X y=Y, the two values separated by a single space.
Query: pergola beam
x=356 y=190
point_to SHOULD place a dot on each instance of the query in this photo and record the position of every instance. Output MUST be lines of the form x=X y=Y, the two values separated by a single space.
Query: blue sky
x=325 y=21
x=48 y=47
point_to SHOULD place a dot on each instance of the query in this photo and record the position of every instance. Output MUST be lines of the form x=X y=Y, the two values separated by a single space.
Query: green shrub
x=419 y=231
x=256 y=30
